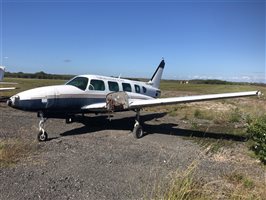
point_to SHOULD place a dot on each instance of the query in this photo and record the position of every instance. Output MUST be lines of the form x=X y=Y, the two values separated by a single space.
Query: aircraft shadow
x=98 y=123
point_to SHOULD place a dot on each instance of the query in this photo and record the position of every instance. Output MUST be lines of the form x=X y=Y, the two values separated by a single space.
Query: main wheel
x=42 y=136
x=138 y=132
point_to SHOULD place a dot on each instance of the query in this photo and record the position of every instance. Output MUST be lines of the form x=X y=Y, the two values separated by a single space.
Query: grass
x=235 y=115
x=25 y=84
x=208 y=88
x=244 y=188
x=187 y=184
x=14 y=150
x=182 y=186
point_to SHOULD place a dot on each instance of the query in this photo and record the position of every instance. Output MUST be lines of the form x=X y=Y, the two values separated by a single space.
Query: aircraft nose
x=13 y=101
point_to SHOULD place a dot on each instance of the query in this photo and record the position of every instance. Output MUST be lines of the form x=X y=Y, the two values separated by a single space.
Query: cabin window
x=113 y=86
x=158 y=93
x=79 y=82
x=144 y=89
x=97 y=85
x=137 y=88
x=126 y=87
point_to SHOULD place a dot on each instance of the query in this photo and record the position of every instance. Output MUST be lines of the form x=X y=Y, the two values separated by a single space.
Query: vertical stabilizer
x=156 y=78
x=2 y=72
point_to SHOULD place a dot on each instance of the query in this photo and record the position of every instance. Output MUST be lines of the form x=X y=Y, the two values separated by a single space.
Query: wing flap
x=176 y=100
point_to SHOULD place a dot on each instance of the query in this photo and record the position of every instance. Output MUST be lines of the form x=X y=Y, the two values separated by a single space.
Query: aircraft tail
x=156 y=78
x=2 y=72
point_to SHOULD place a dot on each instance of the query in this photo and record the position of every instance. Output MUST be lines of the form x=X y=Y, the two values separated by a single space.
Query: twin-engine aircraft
x=101 y=94
x=2 y=73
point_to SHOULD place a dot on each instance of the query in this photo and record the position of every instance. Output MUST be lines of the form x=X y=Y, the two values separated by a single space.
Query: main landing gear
x=42 y=135
x=138 y=131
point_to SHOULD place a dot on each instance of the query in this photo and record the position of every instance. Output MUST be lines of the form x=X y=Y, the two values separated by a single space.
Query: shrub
x=257 y=131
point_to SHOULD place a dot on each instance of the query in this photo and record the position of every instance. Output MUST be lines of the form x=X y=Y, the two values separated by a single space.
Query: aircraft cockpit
x=79 y=82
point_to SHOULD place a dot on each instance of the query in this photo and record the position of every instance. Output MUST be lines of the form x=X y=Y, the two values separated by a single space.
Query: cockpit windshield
x=79 y=82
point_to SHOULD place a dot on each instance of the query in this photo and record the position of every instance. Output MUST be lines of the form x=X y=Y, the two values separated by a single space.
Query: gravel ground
x=99 y=159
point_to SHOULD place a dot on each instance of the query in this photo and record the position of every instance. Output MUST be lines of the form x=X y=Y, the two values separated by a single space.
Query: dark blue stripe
x=66 y=104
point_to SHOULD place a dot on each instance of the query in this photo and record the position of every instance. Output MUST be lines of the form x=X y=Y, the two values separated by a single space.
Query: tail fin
x=156 y=78
x=2 y=72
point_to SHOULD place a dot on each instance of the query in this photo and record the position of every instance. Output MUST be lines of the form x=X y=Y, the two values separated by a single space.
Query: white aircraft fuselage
x=71 y=97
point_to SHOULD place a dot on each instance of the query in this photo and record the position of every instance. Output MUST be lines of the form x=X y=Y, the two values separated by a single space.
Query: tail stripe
x=156 y=78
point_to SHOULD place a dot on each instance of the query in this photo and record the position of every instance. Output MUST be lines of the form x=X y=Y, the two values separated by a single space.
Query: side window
x=113 y=86
x=137 y=88
x=126 y=87
x=97 y=85
x=144 y=89
x=158 y=93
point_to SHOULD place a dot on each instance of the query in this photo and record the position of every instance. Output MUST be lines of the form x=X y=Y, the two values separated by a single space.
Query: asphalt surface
x=95 y=158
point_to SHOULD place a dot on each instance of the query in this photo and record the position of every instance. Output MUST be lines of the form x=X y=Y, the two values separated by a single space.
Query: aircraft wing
x=136 y=104
x=141 y=103
x=6 y=89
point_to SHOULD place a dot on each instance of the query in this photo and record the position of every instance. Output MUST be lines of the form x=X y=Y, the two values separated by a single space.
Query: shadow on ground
x=98 y=123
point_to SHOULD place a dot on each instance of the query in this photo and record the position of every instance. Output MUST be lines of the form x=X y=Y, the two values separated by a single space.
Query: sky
x=218 y=39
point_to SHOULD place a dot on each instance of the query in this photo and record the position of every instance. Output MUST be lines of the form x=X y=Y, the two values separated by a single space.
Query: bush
x=257 y=131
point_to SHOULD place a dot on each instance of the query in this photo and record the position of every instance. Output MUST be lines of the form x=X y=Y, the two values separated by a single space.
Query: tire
x=42 y=137
x=138 y=132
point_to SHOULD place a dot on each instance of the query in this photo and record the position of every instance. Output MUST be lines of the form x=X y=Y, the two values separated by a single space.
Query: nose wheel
x=42 y=135
x=137 y=131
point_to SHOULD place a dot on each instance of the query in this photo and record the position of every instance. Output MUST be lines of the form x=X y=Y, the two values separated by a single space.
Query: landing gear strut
x=42 y=135
x=138 y=131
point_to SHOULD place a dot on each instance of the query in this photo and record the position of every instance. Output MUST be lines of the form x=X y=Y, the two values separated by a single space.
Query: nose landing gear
x=138 y=131
x=42 y=135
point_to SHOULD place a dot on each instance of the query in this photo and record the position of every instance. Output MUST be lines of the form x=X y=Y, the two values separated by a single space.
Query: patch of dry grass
x=184 y=185
x=243 y=187
x=14 y=150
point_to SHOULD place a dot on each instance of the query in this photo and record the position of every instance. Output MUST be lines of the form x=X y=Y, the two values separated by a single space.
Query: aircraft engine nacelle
x=117 y=101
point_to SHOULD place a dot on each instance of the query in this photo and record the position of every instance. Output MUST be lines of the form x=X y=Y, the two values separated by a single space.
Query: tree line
x=38 y=75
